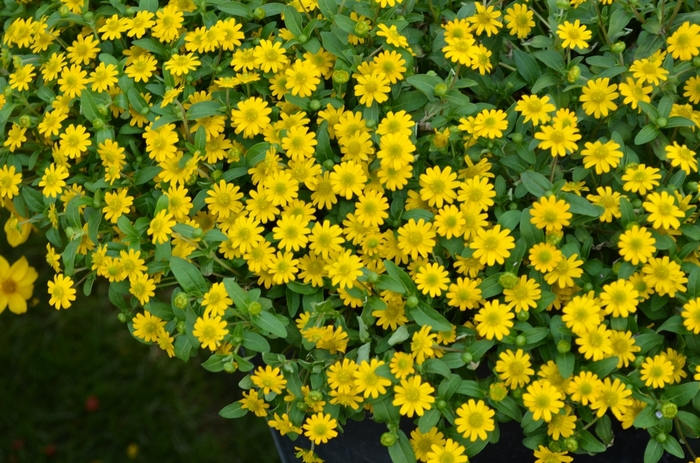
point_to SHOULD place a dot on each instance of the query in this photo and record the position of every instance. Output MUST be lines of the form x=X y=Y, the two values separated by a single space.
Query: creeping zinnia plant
x=449 y=215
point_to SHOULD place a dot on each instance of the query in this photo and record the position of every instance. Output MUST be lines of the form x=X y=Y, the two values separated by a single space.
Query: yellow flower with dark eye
x=16 y=285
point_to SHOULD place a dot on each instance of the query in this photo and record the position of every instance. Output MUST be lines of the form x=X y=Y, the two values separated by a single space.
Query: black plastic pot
x=359 y=443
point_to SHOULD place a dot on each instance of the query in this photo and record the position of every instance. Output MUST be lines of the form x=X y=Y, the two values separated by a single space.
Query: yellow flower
x=475 y=420
x=413 y=396
x=16 y=285
x=574 y=35
x=598 y=96
x=543 y=400
x=320 y=428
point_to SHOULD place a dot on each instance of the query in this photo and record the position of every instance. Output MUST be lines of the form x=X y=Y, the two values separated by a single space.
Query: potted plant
x=440 y=217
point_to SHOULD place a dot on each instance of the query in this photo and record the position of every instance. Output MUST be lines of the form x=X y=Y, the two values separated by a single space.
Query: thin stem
x=679 y=429
x=590 y=424
x=554 y=168
x=507 y=66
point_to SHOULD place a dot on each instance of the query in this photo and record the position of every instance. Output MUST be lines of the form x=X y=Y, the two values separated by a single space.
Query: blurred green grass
x=54 y=365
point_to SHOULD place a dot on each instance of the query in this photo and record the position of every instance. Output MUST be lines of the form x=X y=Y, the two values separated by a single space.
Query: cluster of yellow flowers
x=365 y=206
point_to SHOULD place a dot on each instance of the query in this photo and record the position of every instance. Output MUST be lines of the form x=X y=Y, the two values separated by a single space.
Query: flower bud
x=412 y=302
x=563 y=4
x=314 y=105
x=315 y=396
x=618 y=47
x=122 y=317
x=661 y=122
x=563 y=346
x=523 y=315
x=181 y=300
x=440 y=90
x=340 y=77
x=181 y=327
x=230 y=367
x=639 y=361
x=328 y=164
x=508 y=280
x=255 y=308
x=661 y=438
x=616 y=267
x=216 y=175
x=89 y=16
x=555 y=446
x=467 y=357
x=520 y=340
x=145 y=110
x=554 y=238
x=361 y=29
x=373 y=277
x=258 y=13
x=571 y=444
x=98 y=124
x=669 y=410
x=25 y=121
x=303 y=38
x=692 y=186
x=573 y=74
x=7 y=91
x=64 y=11
x=696 y=61
x=197 y=233
x=517 y=393
x=441 y=404
x=517 y=137
x=388 y=439
x=498 y=391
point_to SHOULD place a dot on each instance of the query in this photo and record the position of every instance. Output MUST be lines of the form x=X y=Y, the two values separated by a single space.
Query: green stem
x=590 y=424
x=679 y=429
x=554 y=168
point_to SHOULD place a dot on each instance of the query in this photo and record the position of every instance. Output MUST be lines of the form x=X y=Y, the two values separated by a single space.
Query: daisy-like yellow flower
x=634 y=91
x=535 y=109
x=514 y=368
x=601 y=155
x=543 y=400
x=565 y=271
x=662 y=209
x=574 y=35
x=493 y=245
x=423 y=443
x=372 y=87
x=544 y=257
x=636 y=245
x=612 y=395
x=432 y=279
x=251 y=117
x=61 y=291
x=475 y=420
x=520 y=20
x=598 y=96
x=664 y=275
x=494 y=320
x=485 y=20
x=640 y=178
x=691 y=315
x=450 y=451
x=619 y=298
x=550 y=213
x=684 y=43
x=490 y=123
x=320 y=428
x=582 y=313
x=438 y=186
x=161 y=226
x=413 y=396
x=545 y=455
x=345 y=269
x=524 y=295
x=558 y=138
x=683 y=157
x=584 y=387
x=422 y=344
x=416 y=238
x=368 y=381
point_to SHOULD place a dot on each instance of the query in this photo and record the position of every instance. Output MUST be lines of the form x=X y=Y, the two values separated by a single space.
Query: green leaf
x=603 y=429
x=672 y=446
x=301 y=288
x=479 y=348
x=647 y=134
x=590 y=443
x=88 y=107
x=236 y=293
x=216 y=362
x=387 y=283
x=646 y=418
x=203 y=109
x=268 y=322
x=68 y=256
x=235 y=9
x=526 y=65
x=491 y=286
x=256 y=342
x=401 y=451
x=345 y=24
x=470 y=388
x=292 y=20
x=183 y=348
x=673 y=325
x=424 y=84
x=429 y=420
x=510 y=408
x=425 y=315
x=399 y=336
x=681 y=394
x=604 y=367
x=551 y=59
x=653 y=452
x=399 y=274
x=580 y=205
x=565 y=363
x=691 y=421
x=535 y=183
x=188 y=276
x=234 y=410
